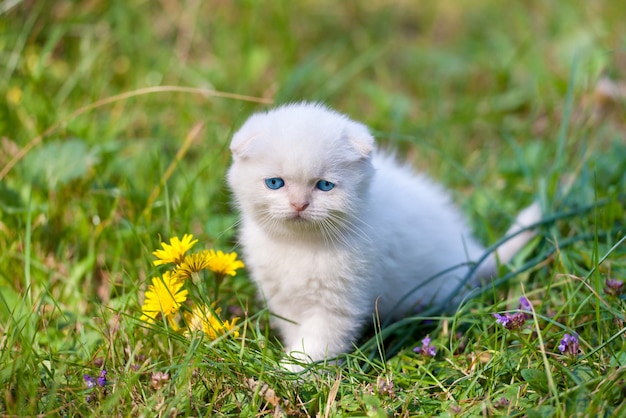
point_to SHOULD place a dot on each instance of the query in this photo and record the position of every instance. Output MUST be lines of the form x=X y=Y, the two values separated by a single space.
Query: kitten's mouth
x=298 y=218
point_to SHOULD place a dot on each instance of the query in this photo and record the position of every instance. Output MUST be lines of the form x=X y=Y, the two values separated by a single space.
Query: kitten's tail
x=505 y=252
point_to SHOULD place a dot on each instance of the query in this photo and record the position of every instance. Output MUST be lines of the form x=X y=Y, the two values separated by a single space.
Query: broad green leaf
x=536 y=379
x=59 y=162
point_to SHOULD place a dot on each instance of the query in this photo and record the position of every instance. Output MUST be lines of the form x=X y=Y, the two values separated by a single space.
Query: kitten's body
x=326 y=260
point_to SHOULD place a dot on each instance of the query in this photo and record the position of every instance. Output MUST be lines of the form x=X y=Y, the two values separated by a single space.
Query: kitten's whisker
x=333 y=233
x=352 y=225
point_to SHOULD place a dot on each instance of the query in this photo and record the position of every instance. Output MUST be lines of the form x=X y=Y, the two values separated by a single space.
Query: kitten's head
x=301 y=168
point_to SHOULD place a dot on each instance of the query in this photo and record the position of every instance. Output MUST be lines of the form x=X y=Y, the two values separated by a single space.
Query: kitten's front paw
x=296 y=361
x=300 y=363
x=293 y=365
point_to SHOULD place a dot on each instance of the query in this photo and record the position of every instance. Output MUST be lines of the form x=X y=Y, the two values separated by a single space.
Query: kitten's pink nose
x=300 y=206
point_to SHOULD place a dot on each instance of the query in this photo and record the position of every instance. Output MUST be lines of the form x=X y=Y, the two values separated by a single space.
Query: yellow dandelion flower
x=163 y=296
x=223 y=264
x=174 y=251
x=192 y=263
x=205 y=319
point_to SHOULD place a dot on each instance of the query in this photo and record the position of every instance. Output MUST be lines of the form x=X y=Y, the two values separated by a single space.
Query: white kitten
x=333 y=230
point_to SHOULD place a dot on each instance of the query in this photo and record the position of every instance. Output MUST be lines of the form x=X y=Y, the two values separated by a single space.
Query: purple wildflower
x=385 y=386
x=159 y=379
x=569 y=345
x=90 y=384
x=89 y=380
x=613 y=287
x=515 y=320
x=427 y=349
x=525 y=305
x=94 y=384
x=102 y=380
x=502 y=403
x=504 y=320
x=510 y=321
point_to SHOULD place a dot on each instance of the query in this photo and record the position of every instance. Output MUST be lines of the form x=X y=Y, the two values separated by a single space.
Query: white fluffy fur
x=361 y=246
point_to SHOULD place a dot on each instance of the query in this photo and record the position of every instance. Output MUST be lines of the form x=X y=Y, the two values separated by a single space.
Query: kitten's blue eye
x=274 y=183
x=325 y=185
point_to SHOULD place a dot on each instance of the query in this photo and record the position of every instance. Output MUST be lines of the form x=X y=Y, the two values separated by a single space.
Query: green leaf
x=59 y=162
x=541 y=412
x=10 y=200
x=536 y=379
x=374 y=407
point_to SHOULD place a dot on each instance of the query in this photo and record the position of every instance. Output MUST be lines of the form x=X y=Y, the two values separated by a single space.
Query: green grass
x=496 y=100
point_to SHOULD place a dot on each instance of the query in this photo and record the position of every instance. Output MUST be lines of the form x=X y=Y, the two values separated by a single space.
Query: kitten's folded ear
x=240 y=145
x=360 y=138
